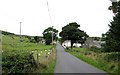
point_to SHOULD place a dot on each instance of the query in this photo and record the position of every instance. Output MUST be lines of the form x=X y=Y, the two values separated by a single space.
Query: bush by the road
x=17 y=62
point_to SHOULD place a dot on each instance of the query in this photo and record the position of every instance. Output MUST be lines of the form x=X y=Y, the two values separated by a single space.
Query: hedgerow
x=18 y=62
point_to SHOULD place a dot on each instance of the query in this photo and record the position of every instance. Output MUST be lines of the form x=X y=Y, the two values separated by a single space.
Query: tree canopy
x=72 y=32
x=37 y=39
x=113 y=7
x=112 y=37
x=47 y=35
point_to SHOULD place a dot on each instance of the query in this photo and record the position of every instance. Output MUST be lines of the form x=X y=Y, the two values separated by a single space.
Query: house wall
x=91 y=42
x=67 y=43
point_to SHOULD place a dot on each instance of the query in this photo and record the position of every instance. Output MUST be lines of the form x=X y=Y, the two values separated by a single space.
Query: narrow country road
x=67 y=63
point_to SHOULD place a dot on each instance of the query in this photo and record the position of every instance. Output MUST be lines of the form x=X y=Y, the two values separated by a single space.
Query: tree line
x=72 y=32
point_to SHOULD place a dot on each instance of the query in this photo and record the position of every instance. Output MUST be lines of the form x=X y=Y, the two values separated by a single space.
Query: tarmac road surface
x=67 y=63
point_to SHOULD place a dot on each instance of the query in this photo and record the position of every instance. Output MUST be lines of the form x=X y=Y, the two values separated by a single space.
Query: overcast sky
x=92 y=15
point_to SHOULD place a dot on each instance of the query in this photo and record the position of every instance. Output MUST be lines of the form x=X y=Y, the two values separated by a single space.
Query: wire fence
x=43 y=56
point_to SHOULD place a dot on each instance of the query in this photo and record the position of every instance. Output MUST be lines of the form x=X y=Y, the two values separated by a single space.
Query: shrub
x=87 y=53
x=112 y=57
x=17 y=62
x=95 y=49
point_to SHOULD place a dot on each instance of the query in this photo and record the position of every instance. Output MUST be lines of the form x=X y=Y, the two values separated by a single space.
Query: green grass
x=96 y=59
x=12 y=43
x=51 y=64
x=8 y=43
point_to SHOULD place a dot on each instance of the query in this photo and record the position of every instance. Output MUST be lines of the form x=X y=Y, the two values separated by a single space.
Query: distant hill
x=9 y=33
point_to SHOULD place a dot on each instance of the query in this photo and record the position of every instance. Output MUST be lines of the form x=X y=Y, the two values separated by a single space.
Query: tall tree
x=114 y=7
x=73 y=33
x=112 y=37
x=47 y=35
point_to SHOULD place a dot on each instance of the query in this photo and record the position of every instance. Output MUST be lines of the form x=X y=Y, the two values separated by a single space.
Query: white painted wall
x=67 y=43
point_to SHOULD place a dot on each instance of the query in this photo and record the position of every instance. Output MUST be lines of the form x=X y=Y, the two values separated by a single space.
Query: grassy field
x=97 y=59
x=9 y=43
x=44 y=56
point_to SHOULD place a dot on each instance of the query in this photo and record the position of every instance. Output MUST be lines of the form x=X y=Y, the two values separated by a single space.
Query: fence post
x=37 y=57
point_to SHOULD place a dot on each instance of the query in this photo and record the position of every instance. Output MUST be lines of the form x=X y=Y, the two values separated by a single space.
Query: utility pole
x=20 y=30
x=49 y=11
x=52 y=35
x=50 y=19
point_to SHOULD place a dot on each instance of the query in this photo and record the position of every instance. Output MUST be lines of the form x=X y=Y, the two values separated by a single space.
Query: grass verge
x=96 y=59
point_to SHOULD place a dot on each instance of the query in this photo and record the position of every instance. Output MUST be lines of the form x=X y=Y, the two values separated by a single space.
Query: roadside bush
x=32 y=40
x=95 y=49
x=17 y=62
x=87 y=53
x=67 y=48
x=112 y=57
